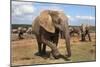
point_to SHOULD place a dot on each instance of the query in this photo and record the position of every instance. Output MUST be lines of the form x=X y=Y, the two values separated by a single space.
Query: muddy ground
x=24 y=52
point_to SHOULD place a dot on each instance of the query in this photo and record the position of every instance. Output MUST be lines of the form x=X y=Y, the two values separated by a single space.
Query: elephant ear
x=45 y=21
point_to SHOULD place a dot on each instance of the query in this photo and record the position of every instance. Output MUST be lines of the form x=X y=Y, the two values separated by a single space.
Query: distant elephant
x=29 y=30
x=46 y=27
x=74 y=30
x=20 y=32
x=14 y=30
x=85 y=30
x=24 y=29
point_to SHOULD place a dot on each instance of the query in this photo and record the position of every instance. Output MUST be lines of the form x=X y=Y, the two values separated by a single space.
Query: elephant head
x=83 y=27
x=85 y=30
x=51 y=20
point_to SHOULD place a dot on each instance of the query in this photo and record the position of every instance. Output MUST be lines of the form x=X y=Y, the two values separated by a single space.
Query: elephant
x=24 y=29
x=14 y=30
x=47 y=27
x=29 y=30
x=85 y=30
x=74 y=30
x=20 y=32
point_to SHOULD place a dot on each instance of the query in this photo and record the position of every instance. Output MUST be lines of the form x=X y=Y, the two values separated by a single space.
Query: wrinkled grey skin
x=85 y=30
x=45 y=38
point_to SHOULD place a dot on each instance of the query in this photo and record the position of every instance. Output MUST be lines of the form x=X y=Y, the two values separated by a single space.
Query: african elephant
x=29 y=30
x=14 y=30
x=85 y=30
x=20 y=32
x=46 y=27
x=74 y=30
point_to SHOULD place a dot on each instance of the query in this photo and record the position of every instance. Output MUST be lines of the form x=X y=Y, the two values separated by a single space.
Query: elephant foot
x=39 y=54
x=56 y=55
x=51 y=56
x=68 y=55
x=43 y=53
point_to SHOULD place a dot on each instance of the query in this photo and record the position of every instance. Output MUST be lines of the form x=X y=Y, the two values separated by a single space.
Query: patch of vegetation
x=15 y=26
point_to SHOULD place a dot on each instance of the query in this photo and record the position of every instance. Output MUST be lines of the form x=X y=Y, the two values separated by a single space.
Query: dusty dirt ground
x=24 y=52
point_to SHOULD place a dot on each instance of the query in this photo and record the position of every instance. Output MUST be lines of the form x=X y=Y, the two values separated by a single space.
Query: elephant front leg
x=89 y=37
x=53 y=47
x=82 y=37
x=44 y=49
x=54 y=51
x=88 y=33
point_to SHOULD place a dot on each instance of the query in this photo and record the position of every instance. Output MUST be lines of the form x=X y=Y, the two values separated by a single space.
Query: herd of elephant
x=21 y=30
x=48 y=25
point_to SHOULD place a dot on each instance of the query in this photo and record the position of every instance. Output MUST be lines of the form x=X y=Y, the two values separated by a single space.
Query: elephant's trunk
x=67 y=40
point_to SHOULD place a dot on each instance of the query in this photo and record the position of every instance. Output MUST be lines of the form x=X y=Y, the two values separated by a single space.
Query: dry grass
x=23 y=52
